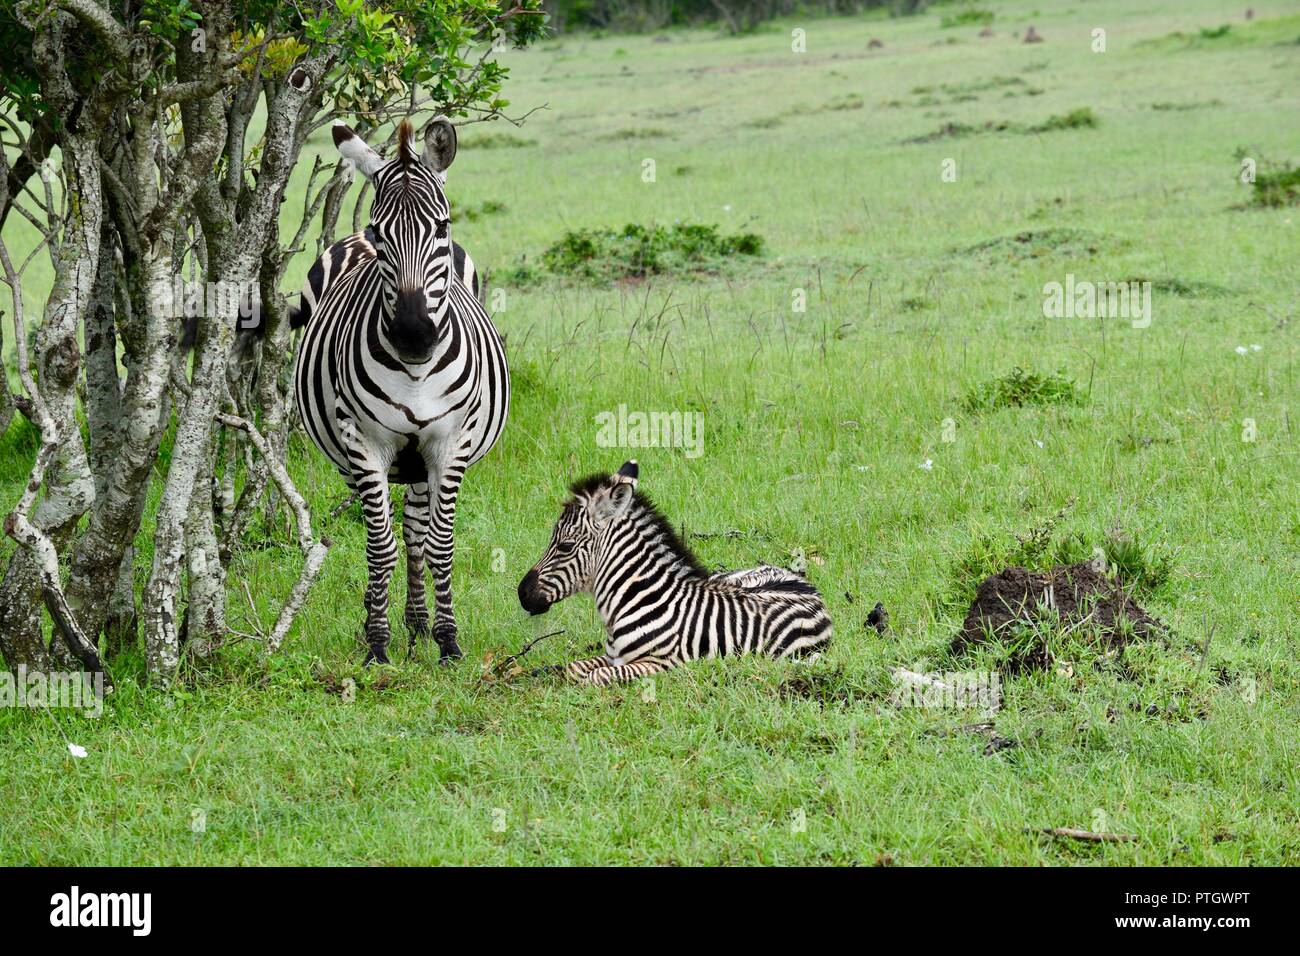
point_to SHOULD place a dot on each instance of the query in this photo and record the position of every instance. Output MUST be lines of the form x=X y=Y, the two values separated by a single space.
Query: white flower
x=1038 y=443
x=727 y=208
x=927 y=465
x=76 y=750
x=1242 y=350
x=1255 y=348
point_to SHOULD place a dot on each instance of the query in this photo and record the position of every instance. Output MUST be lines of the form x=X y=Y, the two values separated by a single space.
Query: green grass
x=817 y=424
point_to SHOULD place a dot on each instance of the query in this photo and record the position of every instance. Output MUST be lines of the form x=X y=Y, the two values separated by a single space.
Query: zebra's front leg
x=438 y=552
x=381 y=558
x=415 y=528
x=625 y=673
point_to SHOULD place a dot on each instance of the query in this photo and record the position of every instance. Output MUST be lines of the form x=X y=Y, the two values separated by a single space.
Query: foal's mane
x=589 y=485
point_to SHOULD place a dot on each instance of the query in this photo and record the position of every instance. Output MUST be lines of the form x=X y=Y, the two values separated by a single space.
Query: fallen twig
x=1088 y=835
x=343 y=505
x=502 y=668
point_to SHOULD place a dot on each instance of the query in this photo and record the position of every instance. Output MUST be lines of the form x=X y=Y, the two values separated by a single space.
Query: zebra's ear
x=439 y=144
x=353 y=147
x=615 y=501
x=630 y=470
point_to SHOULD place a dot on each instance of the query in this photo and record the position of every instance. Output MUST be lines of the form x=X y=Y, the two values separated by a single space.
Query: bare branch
x=313 y=550
x=102 y=24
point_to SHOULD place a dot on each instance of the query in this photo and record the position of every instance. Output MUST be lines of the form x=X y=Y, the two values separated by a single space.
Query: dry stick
x=499 y=669
x=343 y=505
x=1088 y=835
x=17 y=524
x=313 y=550
x=1205 y=651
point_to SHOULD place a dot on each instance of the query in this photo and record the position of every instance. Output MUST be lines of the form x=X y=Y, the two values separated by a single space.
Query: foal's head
x=569 y=562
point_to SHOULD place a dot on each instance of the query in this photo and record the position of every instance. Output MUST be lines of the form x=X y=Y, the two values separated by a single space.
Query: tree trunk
x=189 y=462
x=69 y=486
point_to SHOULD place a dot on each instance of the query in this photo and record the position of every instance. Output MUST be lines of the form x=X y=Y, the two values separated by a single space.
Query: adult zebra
x=659 y=605
x=401 y=377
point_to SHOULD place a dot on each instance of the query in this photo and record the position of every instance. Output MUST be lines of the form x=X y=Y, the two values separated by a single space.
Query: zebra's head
x=411 y=221
x=569 y=562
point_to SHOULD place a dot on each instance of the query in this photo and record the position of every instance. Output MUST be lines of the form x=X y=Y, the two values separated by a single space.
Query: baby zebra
x=659 y=605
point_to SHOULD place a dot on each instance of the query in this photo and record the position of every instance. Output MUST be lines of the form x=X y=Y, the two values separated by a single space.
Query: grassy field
x=818 y=425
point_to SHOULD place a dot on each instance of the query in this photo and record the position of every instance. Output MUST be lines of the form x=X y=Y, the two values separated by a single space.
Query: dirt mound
x=1077 y=593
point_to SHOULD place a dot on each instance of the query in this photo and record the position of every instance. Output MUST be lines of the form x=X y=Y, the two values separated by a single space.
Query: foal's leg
x=415 y=528
x=577 y=671
x=626 y=673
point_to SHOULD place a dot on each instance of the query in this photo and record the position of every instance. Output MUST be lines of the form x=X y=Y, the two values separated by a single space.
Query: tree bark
x=69 y=486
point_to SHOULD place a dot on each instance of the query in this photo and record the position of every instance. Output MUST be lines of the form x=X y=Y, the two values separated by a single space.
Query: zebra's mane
x=649 y=513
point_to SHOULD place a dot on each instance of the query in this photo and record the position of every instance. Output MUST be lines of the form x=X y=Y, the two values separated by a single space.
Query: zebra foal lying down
x=659 y=605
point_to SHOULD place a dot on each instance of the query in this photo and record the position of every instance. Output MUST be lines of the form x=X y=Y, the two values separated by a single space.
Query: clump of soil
x=1016 y=599
x=1039 y=243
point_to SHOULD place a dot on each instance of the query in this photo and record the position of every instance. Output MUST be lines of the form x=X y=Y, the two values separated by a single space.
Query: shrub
x=970 y=16
x=1276 y=189
x=1019 y=388
x=636 y=251
x=496 y=141
x=1082 y=118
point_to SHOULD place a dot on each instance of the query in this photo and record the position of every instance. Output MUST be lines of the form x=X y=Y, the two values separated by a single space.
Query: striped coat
x=659 y=606
x=401 y=377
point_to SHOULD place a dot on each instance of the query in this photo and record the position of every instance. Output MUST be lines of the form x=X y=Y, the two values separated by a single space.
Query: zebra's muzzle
x=411 y=331
x=530 y=597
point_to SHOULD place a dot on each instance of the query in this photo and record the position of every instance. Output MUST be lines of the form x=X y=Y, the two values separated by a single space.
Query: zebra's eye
x=441 y=232
x=565 y=547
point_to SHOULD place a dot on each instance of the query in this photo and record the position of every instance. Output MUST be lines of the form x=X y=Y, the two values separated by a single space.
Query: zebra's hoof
x=377 y=655
x=449 y=650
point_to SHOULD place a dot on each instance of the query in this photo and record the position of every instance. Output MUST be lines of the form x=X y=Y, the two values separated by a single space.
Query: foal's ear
x=354 y=148
x=616 y=497
x=439 y=144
